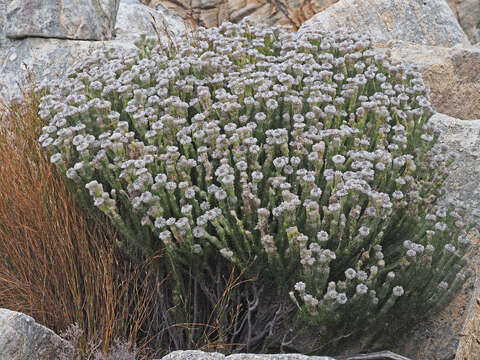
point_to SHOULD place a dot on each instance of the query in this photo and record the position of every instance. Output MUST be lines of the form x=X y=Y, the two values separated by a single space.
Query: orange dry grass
x=59 y=263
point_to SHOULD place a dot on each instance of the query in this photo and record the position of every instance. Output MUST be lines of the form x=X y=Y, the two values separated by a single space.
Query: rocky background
x=440 y=37
x=209 y=13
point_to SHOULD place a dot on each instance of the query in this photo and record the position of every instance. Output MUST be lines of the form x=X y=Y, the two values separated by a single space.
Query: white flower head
x=350 y=274
x=398 y=291
x=300 y=286
x=361 y=289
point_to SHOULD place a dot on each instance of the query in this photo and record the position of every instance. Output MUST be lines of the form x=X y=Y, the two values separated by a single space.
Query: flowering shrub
x=307 y=161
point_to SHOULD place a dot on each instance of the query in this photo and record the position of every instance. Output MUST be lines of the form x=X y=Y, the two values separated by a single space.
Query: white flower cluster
x=254 y=140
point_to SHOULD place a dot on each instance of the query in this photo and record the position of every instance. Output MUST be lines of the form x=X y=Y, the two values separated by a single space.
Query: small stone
x=21 y=338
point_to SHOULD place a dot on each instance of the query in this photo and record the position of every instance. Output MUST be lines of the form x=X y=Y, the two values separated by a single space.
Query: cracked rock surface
x=66 y=19
x=210 y=13
x=200 y=355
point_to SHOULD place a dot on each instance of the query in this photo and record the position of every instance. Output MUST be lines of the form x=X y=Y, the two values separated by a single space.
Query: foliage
x=305 y=161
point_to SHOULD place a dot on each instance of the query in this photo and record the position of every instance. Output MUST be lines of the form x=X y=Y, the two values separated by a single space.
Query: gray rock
x=276 y=357
x=210 y=13
x=452 y=74
x=200 y=355
x=193 y=355
x=468 y=15
x=134 y=18
x=468 y=345
x=205 y=4
x=475 y=36
x=429 y=22
x=3 y=12
x=462 y=136
x=21 y=338
x=63 y=19
x=49 y=58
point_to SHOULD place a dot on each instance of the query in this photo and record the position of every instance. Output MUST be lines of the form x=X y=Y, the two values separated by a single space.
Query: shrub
x=307 y=162
x=58 y=263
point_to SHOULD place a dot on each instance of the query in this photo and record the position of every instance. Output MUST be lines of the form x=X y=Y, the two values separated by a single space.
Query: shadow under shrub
x=58 y=262
x=307 y=162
